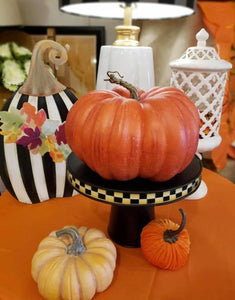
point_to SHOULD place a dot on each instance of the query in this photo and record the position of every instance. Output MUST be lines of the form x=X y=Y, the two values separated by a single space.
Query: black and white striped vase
x=35 y=177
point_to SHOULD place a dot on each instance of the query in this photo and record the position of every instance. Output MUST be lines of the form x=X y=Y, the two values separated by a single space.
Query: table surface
x=208 y=274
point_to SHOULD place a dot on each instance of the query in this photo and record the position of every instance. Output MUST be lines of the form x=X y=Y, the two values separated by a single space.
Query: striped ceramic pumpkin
x=29 y=175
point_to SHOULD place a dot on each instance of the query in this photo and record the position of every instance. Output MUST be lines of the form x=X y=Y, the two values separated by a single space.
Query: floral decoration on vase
x=33 y=130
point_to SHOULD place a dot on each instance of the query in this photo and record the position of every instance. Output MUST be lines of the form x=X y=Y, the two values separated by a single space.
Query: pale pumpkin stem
x=40 y=82
x=112 y=79
x=77 y=247
x=171 y=236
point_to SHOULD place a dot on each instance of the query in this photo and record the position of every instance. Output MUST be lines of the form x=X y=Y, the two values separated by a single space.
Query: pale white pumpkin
x=74 y=263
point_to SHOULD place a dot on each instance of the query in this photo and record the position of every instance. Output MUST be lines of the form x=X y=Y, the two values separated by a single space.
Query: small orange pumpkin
x=166 y=244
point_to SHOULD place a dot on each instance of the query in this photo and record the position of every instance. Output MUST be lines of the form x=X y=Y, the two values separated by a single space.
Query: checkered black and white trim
x=130 y=198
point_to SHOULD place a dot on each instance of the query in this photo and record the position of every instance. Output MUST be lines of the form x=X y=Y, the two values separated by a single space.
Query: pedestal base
x=200 y=192
x=126 y=223
x=132 y=201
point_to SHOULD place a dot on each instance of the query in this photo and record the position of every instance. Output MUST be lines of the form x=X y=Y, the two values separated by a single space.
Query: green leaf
x=12 y=120
x=12 y=73
x=5 y=51
x=43 y=149
x=20 y=51
x=26 y=66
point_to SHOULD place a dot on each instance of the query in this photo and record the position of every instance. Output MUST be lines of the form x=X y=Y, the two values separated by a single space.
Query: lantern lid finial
x=202 y=36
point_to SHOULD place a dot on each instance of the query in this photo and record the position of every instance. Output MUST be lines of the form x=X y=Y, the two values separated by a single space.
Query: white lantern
x=202 y=75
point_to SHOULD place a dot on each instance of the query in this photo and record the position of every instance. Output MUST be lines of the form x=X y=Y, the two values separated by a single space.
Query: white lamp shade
x=9 y=13
x=142 y=9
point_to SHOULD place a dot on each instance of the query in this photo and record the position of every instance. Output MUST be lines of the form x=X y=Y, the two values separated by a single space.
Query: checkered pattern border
x=126 y=198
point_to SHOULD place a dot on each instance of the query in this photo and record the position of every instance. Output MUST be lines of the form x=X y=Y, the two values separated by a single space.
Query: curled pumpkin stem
x=171 y=236
x=40 y=82
x=76 y=247
x=112 y=79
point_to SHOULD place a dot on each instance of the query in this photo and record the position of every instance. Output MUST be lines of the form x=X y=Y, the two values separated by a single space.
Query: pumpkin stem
x=171 y=236
x=112 y=79
x=40 y=82
x=77 y=247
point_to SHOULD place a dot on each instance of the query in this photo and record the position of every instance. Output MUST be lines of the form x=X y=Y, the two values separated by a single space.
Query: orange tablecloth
x=208 y=274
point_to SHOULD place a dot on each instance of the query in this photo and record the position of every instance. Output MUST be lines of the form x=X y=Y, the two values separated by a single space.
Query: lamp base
x=127 y=36
x=134 y=63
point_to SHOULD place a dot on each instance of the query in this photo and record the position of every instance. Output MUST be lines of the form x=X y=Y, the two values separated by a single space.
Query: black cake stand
x=132 y=202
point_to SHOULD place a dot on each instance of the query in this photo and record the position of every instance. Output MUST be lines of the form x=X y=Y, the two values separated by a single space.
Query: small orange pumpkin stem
x=125 y=84
x=171 y=236
x=77 y=247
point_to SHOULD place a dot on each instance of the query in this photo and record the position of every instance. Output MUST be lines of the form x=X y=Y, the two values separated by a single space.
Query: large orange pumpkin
x=122 y=134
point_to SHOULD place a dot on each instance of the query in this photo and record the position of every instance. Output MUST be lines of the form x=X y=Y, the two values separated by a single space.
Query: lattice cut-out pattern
x=195 y=53
x=206 y=90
